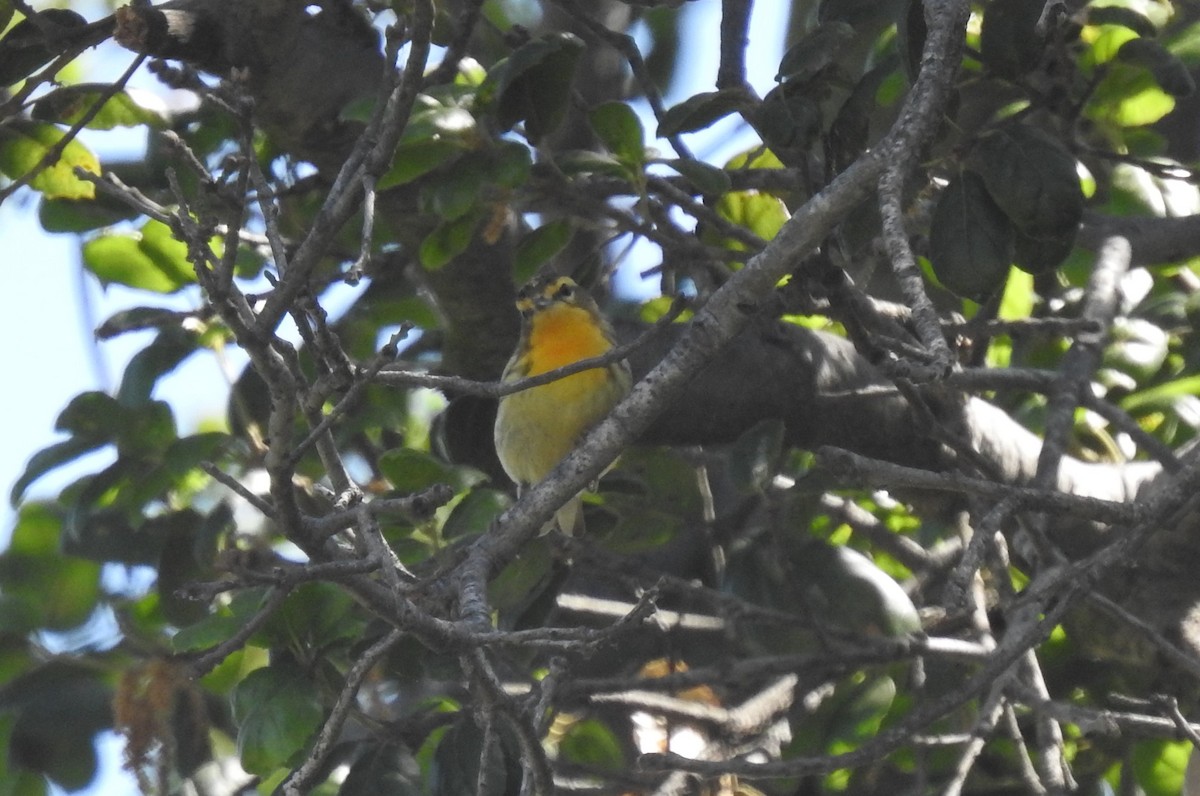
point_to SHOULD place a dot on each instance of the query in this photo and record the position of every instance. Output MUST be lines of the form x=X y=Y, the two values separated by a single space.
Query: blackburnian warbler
x=538 y=427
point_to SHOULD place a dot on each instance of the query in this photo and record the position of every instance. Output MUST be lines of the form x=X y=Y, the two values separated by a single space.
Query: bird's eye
x=565 y=291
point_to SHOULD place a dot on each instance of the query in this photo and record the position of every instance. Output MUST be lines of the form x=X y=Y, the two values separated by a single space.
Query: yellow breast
x=536 y=428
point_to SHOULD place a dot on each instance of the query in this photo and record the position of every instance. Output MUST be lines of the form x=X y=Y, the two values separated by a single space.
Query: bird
x=536 y=428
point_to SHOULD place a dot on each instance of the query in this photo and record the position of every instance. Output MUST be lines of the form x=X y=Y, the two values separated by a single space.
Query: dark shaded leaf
x=69 y=104
x=59 y=709
x=701 y=110
x=815 y=51
x=1121 y=15
x=1169 y=72
x=24 y=49
x=788 y=120
x=475 y=512
x=1032 y=178
x=534 y=84
x=385 y=768
x=1009 y=42
x=169 y=348
x=455 y=769
x=707 y=179
x=61 y=591
x=970 y=239
x=1040 y=255
x=49 y=459
x=416 y=160
x=754 y=457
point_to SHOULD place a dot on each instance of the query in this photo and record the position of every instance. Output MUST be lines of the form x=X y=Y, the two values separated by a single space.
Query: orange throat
x=561 y=335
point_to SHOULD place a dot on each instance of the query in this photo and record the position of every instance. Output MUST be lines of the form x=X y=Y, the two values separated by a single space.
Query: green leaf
x=539 y=246
x=582 y=161
x=1008 y=42
x=761 y=213
x=1159 y=766
x=1129 y=96
x=861 y=709
x=59 y=708
x=475 y=513
x=707 y=179
x=168 y=254
x=23 y=146
x=411 y=471
x=436 y=134
x=68 y=215
x=1121 y=15
x=312 y=617
x=1169 y=72
x=754 y=457
x=61 y=591
x=970 y=239
x=276 y=710
x=701 y=110
x=169 y=348
x=150 y=259
x=1162 y=396
x=1033 y=179
x=447 y=241
x=48 y=459
x=128 y=108
x=592 y=743
x=621 y=131
x=416 y=160
x=116 y=258
x=534 y=84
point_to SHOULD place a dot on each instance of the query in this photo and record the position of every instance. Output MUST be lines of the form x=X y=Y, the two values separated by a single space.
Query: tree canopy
x=904 y=497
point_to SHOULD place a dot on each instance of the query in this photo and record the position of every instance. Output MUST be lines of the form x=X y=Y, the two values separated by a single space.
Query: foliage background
x=956 y=643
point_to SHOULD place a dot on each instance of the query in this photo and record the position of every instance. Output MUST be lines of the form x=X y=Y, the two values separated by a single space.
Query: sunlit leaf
x=1159 y=766
x=621 y=131
x=761 y=213
x=23 y=148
